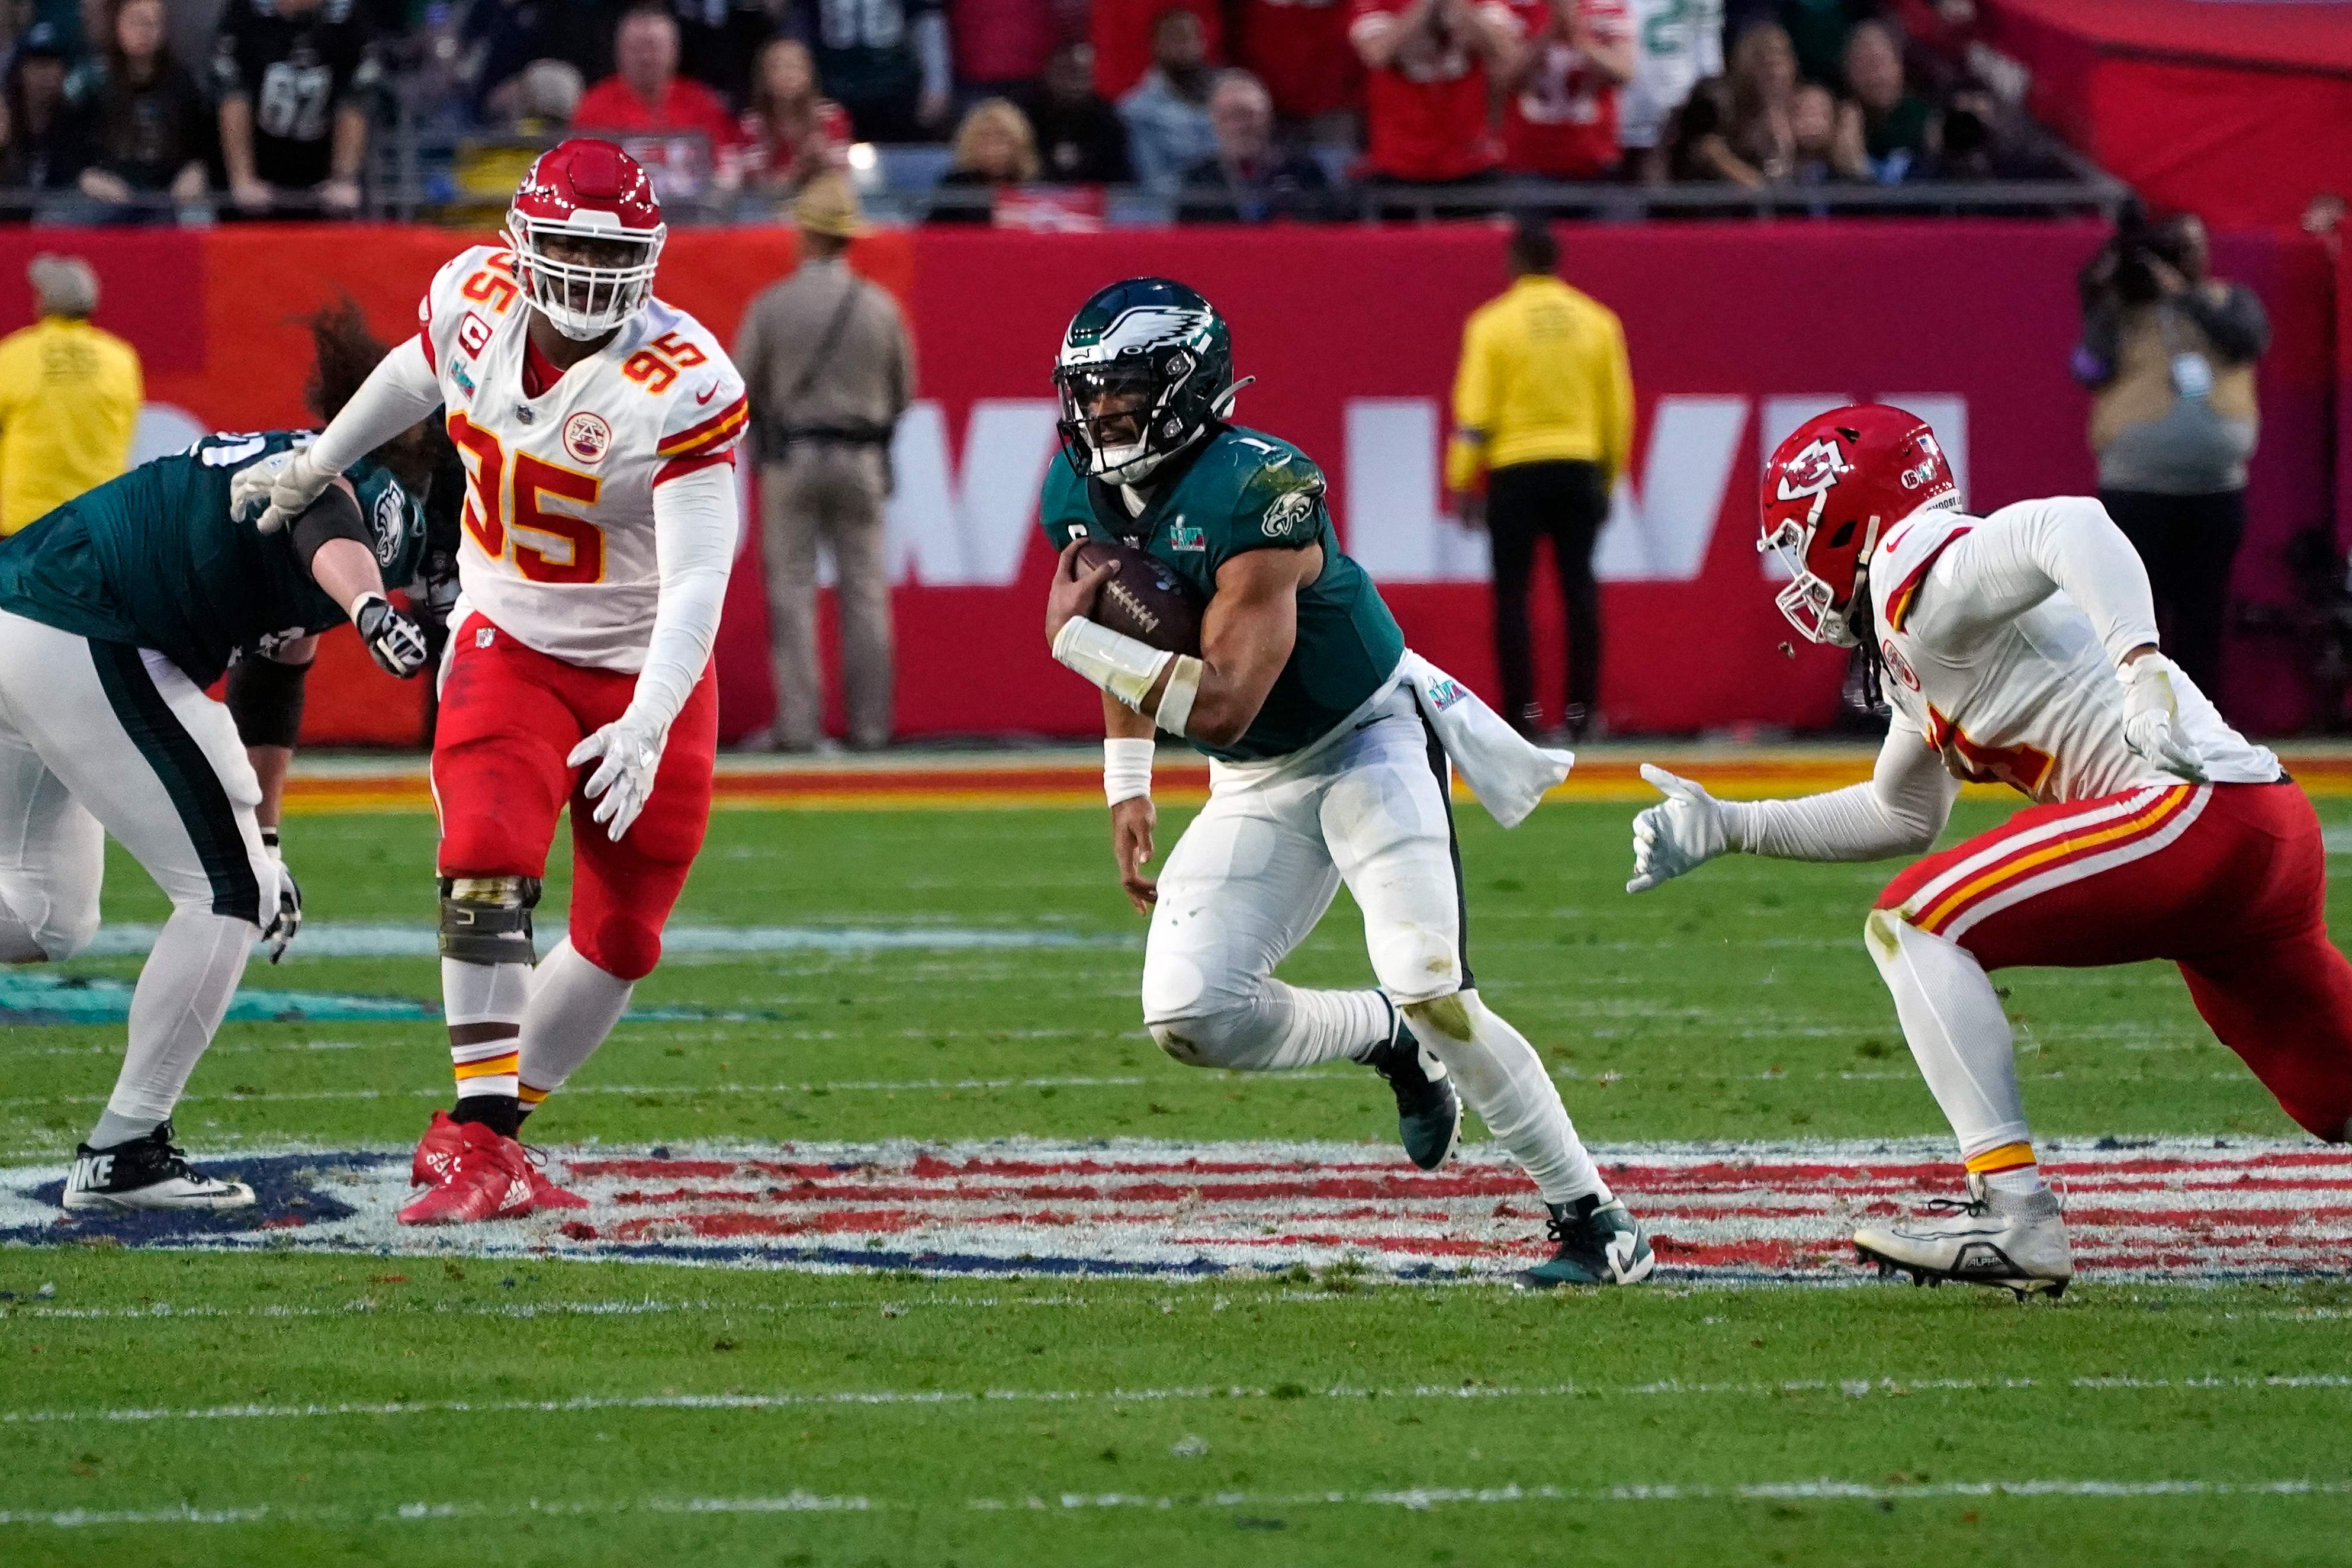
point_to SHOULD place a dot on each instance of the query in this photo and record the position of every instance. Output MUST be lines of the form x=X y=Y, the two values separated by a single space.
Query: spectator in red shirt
x=1300 y=49
x=649 y=107
x=789 y=132
x=1560 y=119
x=1428 y=63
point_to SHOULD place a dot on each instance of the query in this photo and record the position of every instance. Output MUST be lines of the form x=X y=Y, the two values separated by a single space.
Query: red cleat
x=436 y=1151
x=544 y=1194
x=488 y=1179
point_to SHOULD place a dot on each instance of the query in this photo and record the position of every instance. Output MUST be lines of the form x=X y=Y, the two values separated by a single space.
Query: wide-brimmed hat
x=828 y=205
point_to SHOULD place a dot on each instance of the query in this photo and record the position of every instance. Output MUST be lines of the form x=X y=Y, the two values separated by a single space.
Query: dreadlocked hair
x=344 y=353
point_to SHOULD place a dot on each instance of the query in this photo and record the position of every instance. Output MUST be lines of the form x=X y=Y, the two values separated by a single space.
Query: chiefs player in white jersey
x=2021 y=648
x=598 y=427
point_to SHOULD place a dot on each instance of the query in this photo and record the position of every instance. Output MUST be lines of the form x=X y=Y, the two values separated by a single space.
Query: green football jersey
x=154 y=560
x=1239 y=491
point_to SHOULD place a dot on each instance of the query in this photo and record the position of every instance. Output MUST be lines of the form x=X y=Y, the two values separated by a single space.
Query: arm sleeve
x=334 y=515
x=400 y=391
x=1898 y=811
x=695 y=523
x=1472 y=406
x=2235 y=324
x=2023 y=553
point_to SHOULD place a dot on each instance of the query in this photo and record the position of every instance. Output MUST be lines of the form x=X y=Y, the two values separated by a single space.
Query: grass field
x=954 y=977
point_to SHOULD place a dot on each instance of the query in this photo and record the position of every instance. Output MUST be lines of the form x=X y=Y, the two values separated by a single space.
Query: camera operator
x=2169 y=354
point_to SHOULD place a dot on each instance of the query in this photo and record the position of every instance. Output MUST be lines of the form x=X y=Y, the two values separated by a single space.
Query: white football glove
x=287 y=482
x=287 y=919
x=631 y=747
x=2152 y=716
x=1679 y=834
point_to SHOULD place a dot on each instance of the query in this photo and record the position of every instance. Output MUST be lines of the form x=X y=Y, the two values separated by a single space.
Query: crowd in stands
x=1221 y=110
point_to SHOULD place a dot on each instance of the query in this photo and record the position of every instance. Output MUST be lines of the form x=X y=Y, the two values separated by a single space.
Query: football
x=1144 y=599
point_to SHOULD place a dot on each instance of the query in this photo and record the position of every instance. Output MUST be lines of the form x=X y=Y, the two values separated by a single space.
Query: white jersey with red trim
x=2002 y=637
x=559 y=518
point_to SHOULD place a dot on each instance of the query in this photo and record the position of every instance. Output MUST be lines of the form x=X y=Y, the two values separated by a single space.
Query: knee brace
x=487 y=920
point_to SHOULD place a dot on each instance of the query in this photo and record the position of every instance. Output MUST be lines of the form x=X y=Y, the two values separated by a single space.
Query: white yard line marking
x=1414 y=1499
x=886 y=1086
x=1850 y=1388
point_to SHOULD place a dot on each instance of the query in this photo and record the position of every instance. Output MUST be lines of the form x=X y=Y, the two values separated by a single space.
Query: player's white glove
x=1679 y=834
x=2152 y=716
x=288 y=482
x=279 y=934
x=631 y=747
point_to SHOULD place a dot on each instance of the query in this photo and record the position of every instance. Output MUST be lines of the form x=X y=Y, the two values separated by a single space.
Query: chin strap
x=1224 y=402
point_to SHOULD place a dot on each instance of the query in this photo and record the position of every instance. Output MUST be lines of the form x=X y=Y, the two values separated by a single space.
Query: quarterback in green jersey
x=1326 y=764
x=117 y=610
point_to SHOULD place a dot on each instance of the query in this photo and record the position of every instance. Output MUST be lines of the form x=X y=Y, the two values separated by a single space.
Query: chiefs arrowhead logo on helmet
x=1830 y=491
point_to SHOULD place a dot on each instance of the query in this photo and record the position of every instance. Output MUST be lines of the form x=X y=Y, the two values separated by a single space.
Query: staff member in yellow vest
x=1543 y=410
x=69 y=397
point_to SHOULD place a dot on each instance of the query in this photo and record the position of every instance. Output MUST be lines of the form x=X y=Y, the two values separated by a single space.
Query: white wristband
x=1123 y=666
x=1177 y=697
x=1126 y=768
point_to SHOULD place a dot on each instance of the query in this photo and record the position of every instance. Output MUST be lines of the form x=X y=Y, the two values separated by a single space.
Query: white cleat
x=146 y=1175
x=2016 y=1244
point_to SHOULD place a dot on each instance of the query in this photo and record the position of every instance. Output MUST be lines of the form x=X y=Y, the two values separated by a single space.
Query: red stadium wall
x=1737 y=330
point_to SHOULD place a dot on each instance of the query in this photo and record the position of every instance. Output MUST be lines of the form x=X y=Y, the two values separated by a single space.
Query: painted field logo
x=2182 y=1210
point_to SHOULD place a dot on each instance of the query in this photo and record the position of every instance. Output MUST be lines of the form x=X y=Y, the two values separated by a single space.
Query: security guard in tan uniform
x=826 y=356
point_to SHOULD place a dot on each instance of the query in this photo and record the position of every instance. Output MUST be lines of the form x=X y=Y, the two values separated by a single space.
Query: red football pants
x=510 y=717
x=2229 y=881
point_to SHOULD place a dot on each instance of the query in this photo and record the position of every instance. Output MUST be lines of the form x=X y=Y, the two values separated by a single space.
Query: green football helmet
x=1146 y=367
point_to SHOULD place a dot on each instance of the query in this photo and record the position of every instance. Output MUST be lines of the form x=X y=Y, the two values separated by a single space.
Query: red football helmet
x=1830 y=491
x=591 y=191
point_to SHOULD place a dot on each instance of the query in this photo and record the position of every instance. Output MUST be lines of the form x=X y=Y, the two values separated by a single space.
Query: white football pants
x=1255 y=871
x=98 y=738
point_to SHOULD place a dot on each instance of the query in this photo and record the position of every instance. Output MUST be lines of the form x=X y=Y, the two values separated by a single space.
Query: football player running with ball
x=1324 y=738
x=2021 y=648
x=598 y=427
x=117 y=610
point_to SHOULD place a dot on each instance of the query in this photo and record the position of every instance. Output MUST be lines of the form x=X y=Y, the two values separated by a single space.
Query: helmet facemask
x=1810 y=601
x=1118 y=419
x=603 y=277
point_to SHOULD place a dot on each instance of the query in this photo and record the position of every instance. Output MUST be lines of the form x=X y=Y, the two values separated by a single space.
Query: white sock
x=573 y=1007
x=1499 y=1076
x=1957 y=1032
x=184 y=991
x=1280 y=1027
x=483 y=1003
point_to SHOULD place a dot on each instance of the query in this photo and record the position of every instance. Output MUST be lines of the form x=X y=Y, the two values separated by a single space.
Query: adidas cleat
x=1599 y=1243
x=544 y=1194
x=1429 y=1113
x=2016 y=1244
x=488 y=1177
x=145 y=1174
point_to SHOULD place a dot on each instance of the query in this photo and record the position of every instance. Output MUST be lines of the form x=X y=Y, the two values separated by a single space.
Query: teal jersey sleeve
x=154 y=560
x=1272 y=497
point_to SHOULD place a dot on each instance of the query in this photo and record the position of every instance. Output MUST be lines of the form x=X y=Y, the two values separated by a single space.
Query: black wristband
x=265 y=699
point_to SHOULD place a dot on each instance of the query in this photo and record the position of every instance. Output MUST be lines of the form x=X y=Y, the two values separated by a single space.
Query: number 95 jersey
x=559 y=515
